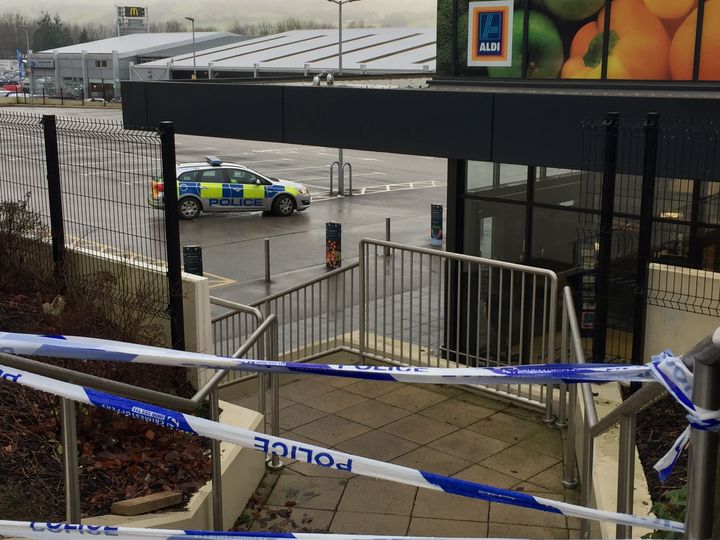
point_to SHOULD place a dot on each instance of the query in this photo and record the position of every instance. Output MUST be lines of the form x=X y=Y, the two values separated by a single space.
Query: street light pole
x=340 y=4
x=27 y=58
x=192 y=22
x=341 y=164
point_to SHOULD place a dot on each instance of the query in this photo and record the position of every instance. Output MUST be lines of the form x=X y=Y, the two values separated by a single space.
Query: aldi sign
x=490 y=33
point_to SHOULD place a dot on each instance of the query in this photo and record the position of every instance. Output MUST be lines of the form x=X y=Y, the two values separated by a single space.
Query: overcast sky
x=222 y=13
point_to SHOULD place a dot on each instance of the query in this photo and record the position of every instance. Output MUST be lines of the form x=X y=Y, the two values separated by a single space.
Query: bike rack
x=332 y=170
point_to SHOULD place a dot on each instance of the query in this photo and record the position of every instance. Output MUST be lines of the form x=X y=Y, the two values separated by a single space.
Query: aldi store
x=519 y=107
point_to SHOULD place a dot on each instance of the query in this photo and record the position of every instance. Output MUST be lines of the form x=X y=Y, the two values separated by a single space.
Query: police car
x=216 y=186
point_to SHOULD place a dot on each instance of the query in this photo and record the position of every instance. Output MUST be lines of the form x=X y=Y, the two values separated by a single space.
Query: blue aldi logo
x=490 y=33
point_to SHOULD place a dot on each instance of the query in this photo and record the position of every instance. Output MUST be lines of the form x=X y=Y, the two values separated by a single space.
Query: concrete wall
x=670 y=326
x=130 y=276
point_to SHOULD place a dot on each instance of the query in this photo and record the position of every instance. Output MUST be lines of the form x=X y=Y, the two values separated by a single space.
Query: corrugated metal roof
x=365 y=50
x=143 y=44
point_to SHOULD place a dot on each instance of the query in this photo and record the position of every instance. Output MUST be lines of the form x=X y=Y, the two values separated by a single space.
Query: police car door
x=211 y=189
x=253 y=190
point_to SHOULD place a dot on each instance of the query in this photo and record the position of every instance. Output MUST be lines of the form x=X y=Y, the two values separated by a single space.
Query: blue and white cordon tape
x=53 y=531
x=672 y=373
x=102 y=349
x=321 y=456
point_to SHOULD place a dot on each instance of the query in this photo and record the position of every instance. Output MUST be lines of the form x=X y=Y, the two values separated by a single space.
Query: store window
x=500 y=180
x=494 y=230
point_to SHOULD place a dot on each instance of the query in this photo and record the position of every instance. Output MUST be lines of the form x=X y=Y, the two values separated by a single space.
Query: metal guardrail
x=705 y=359
x=435 y=308
x=316 y=318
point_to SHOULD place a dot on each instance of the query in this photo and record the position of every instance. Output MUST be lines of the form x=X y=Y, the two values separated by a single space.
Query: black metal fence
x=651 y=231
x=87 y=181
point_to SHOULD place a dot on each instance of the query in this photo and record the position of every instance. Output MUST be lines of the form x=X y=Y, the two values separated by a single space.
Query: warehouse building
x=95 y=69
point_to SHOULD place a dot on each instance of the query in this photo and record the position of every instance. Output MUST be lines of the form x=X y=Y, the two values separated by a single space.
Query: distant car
x=216 y=186
x=94 y=100
x=16 y=95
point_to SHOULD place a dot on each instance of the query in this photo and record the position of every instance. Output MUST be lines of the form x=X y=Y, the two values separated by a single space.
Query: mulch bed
x=119 y=457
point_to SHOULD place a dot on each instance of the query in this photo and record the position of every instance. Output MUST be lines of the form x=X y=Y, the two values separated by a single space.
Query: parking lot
x=384 y=185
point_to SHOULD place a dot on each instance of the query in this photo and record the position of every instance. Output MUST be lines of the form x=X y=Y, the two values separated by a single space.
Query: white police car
x=217 y=186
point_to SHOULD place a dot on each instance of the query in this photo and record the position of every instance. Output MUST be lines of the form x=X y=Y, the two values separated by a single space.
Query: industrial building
x=366 y=51
x=95 y=69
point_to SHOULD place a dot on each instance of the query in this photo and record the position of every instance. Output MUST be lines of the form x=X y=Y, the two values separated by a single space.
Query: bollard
x=267 y=260
x=333 y=245
x=193 y=260
x=386 y=250
x=436 y=224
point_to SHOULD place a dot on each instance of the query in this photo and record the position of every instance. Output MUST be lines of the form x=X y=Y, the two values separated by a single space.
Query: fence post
x=172 y=235
x=267 y=260
x=57 y=226
x=217 y=492
x=612 y=123
x=70 y=460
x=645 y=237
x=703 y=474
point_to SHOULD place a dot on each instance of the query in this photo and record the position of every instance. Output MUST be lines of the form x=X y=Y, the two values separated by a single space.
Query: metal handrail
x=703 y=356
x=305 y=284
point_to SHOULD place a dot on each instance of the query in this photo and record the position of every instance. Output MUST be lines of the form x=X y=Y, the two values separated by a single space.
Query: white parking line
x=271 y=150
x=297 y=168
x=249 y=162
x=375 y=173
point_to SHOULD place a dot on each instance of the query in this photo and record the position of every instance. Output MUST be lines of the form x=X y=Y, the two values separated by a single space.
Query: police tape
x=51 y=531
x=672 y=373
x=322 y=456
x=102 y=349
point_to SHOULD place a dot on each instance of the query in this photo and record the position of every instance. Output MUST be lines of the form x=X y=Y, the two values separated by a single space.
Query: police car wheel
x=188 y=209
x=283 y=205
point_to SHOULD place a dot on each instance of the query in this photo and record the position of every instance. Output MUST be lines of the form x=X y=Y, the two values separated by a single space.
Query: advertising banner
x=333 y=245
x=436 y=224
x=648 y=40
x=21 y=65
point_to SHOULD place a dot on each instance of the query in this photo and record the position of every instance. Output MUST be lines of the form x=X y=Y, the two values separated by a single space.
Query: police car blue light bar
x=317 y=455
x=36 y=530
x=102 y=349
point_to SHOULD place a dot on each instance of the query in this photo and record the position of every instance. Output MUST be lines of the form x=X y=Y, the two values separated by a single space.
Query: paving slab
x=419 y=429
x=457 y=412
x=431 y=460
x=506 y=530
x=506 y=427
x=307 y=492
x=438 y=505
x=548 y=442
x=298 y=415
x=469 y=445
x=377 y=445
x=332 y=430
x=291 y=519
x=369 y=523
x=338 y=400
x=371 y=389
x=447 y=527
x=377 y=496
x=412 y=398
x=301 y=391
x=519 y=462
x=373 y=413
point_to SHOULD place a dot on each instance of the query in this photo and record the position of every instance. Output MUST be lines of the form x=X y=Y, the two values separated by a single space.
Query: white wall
x=672 y=327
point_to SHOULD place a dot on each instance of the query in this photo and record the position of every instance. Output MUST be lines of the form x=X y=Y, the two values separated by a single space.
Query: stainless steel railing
x=231 y=329
x=316 y=318
x=582 y=414
x=434 y=308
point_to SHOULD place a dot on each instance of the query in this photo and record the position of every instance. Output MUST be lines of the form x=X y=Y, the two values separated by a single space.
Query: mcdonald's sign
x=134 y=11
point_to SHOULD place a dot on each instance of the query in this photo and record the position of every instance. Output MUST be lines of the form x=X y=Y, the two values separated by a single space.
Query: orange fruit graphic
x=669 y=9
x=683 y=45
